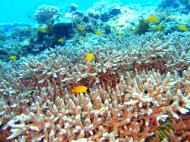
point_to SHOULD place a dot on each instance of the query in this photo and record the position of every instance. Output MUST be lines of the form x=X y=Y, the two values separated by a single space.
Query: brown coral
x=131 y=93
x=113 y=114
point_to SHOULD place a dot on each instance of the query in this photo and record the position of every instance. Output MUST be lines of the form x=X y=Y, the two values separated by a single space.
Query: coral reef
x=131 y=93
x=142 y=27
x=111 y=74
x=110 y=20
x=63 y=29
x=127 y=113
x=46 y=14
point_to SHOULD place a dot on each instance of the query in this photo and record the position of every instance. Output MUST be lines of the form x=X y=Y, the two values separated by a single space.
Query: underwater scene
x=95 y=71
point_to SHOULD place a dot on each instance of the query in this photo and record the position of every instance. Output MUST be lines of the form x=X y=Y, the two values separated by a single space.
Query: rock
x=107 y=29
x=3 y=52
x=79 y=13
x=3 y=55
x=114 y=11
x=85 y=19
x=73 y=7
x=105 y=17
x=96 y=16
x=63 y=29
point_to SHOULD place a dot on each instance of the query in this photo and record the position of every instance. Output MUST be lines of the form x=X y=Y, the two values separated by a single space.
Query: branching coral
x=121 y=114
x=146 y=52
x=46 y=14
x=124 y=102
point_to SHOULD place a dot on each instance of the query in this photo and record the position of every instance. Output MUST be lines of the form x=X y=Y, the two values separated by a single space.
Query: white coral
x=46 y=13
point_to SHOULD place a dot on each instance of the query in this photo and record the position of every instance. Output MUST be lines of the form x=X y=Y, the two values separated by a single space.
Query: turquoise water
x=23 y=10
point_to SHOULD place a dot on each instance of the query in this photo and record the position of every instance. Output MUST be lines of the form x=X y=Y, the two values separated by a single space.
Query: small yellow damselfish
x=13 y=57
x=182 y=28
x=90 y=57
x=79 y=89
x=99 y=33
x=152 y=19
x=42 y=30
x=61 y=40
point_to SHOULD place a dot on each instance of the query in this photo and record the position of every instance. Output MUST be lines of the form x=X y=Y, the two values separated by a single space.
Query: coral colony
x=116 y=75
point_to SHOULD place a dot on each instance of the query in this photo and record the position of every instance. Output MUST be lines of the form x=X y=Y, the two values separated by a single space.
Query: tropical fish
x=79 y=89
x=99 y=33
x=61 y=40
x=13 y=57
x=182 y=28
x=42 y=30
x=90 y=57
x=152 y=19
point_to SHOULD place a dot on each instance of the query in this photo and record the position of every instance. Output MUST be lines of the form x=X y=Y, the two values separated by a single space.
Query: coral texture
x=134 y=110
x=46 y=13
x=138 y=89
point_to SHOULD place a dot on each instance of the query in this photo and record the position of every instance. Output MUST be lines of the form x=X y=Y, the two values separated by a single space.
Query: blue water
x=22 y=10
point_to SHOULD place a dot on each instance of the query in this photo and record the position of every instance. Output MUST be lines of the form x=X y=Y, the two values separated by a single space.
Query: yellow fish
x=152 y=19
x=99 y=33
x=42 y=30
x=90 y=57
x=182 y=28
x=79 y=89
x=61 y=40
x=13 y=57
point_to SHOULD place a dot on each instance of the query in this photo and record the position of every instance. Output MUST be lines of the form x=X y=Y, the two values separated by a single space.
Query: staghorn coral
x=65 y=65
x=124 y=102
x=121 y=114
x=159 y=50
